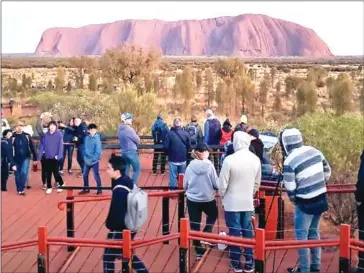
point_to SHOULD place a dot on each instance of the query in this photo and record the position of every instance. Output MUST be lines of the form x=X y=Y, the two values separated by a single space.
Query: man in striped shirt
x=306 y=172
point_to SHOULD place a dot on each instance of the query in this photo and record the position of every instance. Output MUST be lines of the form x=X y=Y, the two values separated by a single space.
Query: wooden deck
x=21 y=217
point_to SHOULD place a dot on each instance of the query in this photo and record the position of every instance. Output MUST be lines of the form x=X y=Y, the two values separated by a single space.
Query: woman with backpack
x=200 y=184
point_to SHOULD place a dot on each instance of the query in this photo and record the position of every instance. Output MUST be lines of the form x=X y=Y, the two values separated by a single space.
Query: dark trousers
x=159 y=153
x=44 y=170
x=68 y=150
x=360 y=210
x=52 y=167
x=4 y=174
x=111 y=254
x=86 y=172
x=195 y=210
x=80 y=159
x=214 y=158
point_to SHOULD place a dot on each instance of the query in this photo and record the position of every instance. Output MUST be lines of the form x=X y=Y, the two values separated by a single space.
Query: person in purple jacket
x=52 y=148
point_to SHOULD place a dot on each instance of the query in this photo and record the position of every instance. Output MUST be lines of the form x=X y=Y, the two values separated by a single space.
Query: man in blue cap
x=129 y=141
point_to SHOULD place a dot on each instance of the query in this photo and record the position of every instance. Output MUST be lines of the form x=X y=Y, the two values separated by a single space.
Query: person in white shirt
x=239 y=181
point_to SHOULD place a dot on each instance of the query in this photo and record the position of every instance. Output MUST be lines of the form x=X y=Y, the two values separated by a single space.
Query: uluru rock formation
x=243 y=36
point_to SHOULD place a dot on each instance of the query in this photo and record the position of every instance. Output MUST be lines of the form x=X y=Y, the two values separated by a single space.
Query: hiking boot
x=236 y=266
x=84 y=192
x=4 y=190
x=60 y=190
x=29 y=187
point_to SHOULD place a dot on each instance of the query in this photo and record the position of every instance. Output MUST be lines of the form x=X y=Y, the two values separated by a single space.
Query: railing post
x=43 y=259
x=344 y=261
x=262 y=206
x=127 y=253
x=165 y=217
x=280 y=225
x=70 y=218
x=183 y=245
x=259 y=250
x=181 y=200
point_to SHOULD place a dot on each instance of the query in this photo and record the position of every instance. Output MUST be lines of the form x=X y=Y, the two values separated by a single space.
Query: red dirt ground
x=21 y=216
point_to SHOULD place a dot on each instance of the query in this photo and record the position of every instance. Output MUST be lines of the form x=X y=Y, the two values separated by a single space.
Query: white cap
x=209 y=112
x=244 y=119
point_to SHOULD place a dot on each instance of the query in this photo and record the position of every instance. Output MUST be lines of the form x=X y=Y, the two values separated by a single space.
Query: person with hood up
x=359 y=197
x=51 y=147
x=93 y=151
x=226 y=132
x=212 y=135
x=306 y=172
x=257 y=143
x=238 y=183
x=200 y=184
x=177 y=145
x=6 y=158
x=159 y=133
x=129 y=141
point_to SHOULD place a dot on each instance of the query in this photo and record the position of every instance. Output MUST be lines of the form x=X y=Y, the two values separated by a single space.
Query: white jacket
x=240 y=176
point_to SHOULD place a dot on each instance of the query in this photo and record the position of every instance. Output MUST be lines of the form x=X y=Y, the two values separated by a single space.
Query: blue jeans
x=132 y=159
x=95 y=169
x=174 y=171
x=307 y=228
x=240 y=223
x=21 y=174
x=68 y=149
x=111 y=254
x=80 y=153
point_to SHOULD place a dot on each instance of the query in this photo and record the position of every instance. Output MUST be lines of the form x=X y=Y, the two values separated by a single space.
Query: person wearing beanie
x=177 y=145
x=51 y=148
x=129 y=141
x=242 y=126
x=159 y=133
x=200 y=184
x=226 y=132
x=195 y=132
x=306 y=173
x=239 y=181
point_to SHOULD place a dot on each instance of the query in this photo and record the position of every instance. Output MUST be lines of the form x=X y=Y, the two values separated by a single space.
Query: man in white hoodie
x=239 y=181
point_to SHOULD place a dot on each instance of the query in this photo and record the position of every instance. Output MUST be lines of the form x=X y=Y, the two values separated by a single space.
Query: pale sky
x=339 y=24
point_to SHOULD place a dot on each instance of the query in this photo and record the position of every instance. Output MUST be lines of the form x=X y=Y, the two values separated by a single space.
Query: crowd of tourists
x=235 y=174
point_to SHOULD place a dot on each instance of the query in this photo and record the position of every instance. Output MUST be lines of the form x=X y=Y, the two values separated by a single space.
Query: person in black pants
x=6 y=158
x=200 y=184
x=359 y=197
x=115 y=218
x=159 y=133
x=80 y=133
x=51 y=148
x=69 y=146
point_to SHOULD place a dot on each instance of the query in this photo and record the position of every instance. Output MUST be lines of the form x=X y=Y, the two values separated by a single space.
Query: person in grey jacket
x=200 y=184
x=129 y=141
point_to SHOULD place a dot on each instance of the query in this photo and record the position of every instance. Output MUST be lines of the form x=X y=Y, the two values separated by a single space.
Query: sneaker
x=70 y=172
x=61 y=172
x=23 y=193
x=200 y=254
x=48 y=191
x=249 y=267
x=44 y=187
x=154 y=174
x=55 y=186
x=61 y=190
x=208 y=244
x=98 y=192
x=29 y=187
x=84 y=192
x=236 y=266
x=4 y=190
x=80 y=175
x=163 y=173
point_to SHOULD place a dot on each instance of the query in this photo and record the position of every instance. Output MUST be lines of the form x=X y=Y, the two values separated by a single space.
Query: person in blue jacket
x=6 y=158
x=79 y=138
x=159 y=133
x=69 y=146
x=212 y=136
x=93 y=151
x=115 y=221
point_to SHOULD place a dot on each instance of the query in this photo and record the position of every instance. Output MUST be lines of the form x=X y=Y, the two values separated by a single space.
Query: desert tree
x=263 y=93
x=59 y=80
x=26 y=82
x=277 y=105
x=361 y=99
x=92 y=82
x=341 y=94
x=198 y=79
x=125 y=63
x=209 y=86
x=292 y=84
x=273 y=73
x=316 y=74
x=228 y=68
x=221 y=90
x=311 y=96
x=50 y=85
x=244 y=88
x=69 y=86
x=252 y=74
x=83 y=65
